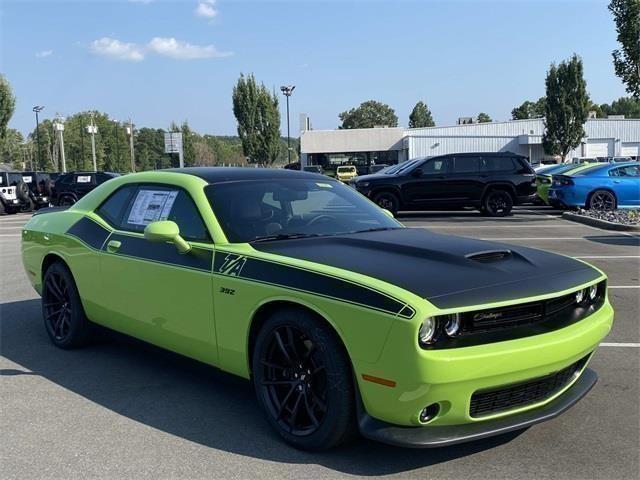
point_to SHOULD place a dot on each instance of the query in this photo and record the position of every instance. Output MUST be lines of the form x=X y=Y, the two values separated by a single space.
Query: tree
x=7 y=105
x=627 y=106
x=11 y=145
x=529 y=110
x=567 y=107
x=420 y=116
x=368 y=115
x=626 y=60
x=258 y=116
x=484 y=118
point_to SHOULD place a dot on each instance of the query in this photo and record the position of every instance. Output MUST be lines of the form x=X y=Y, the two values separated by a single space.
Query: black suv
x=71 y=187
x=491 y=182
x=30 y=189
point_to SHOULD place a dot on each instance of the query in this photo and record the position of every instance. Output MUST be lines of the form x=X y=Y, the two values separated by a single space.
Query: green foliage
x=627 y=106
x=258 y=116
x=11 y=148
x=567 y=107
x=368 y=115
x=529 y=110
x=421 y=117
x=626 y=60
x=7 y=105
x=484 y=118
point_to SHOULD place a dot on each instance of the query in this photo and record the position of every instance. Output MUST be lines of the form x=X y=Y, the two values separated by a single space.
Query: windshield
x=401 y=167
x=252 y=210
x=346 y=169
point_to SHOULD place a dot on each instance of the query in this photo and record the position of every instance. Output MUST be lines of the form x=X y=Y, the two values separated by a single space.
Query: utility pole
x=130 y=132
x=287 y=90
x=115 y=131
x=82 y=142
x=37 y=109
x=58 y=126
x=92 y=130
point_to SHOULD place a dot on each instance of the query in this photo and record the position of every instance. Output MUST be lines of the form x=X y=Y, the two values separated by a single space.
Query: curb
x=594 y=222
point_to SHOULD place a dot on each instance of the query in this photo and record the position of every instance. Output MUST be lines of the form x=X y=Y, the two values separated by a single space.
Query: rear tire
x=64 y=317
x=303 y=380
x=602 y=200
x=497 y=203
x=27 y=206
x=66 y=201
x=388 y=201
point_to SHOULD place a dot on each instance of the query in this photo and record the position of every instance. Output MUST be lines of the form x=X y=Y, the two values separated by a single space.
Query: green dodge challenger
x=343 y=319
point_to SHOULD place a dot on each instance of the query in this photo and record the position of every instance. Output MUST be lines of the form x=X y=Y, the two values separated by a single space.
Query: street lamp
x=58 y=126
x=37 y=109
x=92 y=130
x=115 y=133
x=130 y=133
x=287 y=90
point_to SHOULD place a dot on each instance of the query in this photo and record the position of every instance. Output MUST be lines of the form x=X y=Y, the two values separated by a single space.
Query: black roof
x=230 y=174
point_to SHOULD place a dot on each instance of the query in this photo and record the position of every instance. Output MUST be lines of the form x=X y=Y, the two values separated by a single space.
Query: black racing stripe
x=90 y=232
x=250 y=268
x=162 y=252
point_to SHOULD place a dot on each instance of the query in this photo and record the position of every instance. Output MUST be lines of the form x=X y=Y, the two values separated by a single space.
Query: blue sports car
x=605 y=187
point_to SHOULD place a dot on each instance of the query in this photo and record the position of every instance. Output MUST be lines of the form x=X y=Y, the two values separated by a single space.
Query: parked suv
x=23 y=187
x=491 y=182
x=71 y=187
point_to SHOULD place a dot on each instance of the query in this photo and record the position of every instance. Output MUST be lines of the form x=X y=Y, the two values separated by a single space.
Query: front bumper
x=441 y=436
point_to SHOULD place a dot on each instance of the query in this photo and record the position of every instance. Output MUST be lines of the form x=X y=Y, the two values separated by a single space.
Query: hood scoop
x=489 y=256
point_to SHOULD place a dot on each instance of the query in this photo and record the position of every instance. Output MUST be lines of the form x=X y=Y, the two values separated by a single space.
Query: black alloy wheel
x=602 y=200
x=294 y=381
x=388 y=201
x=64 y=317
x=303 y=380
x=498 y=203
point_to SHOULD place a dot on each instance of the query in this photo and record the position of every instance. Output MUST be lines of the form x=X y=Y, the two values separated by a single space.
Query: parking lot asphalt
x=123 y=409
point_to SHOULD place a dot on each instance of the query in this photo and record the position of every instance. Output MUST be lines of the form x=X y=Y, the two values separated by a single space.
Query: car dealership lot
x=123 y=409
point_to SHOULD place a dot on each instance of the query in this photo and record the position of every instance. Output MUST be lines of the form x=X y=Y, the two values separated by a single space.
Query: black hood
x=372 y=177
x=447 y=270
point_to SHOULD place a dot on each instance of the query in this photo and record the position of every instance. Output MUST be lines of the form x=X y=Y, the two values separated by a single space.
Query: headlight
x=452 y=324
x=427 y=331
x=580 y=296
x=593 y=292
x=363 y=184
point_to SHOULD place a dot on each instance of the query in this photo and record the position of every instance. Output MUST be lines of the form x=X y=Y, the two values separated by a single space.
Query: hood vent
x=489 y=256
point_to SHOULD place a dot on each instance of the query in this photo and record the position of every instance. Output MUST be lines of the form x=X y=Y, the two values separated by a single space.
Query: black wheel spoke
x=292 y=343
x=284 y=402
x=279 y=382
x=49 y=315
x=273 y=365
x=318 y=401
x=310 y=413
x=294 y=412
x=282 y=347
x=54 y=289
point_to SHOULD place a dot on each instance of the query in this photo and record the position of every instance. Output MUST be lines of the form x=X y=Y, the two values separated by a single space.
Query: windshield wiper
x=284 y=236
x=378 y=229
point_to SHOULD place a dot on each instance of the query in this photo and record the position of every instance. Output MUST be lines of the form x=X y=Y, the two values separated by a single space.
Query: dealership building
x=364 y=147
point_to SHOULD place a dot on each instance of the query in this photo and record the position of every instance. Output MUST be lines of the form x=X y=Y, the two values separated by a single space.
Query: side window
x=630 y=171
x=466 y=165
x=499 y=164
x=434 y=166
x=65 y=179
x=153 y=203
x=113 y=208
x=102 y=177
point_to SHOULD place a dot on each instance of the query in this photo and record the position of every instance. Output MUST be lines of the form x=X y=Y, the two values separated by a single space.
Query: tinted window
x=102 y=177
x=246 y=209
x=114 y=207
x=435 y=165
x=466 y=165
x=499 y=164
x=153 y=203
x=630 y=171
x=64 y=179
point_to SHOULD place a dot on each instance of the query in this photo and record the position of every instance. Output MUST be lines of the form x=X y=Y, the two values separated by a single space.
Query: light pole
x=287 y=90
x=92 y=130
x=58 y=126
x=115 y=132
x=37 y=109
x=130 y=133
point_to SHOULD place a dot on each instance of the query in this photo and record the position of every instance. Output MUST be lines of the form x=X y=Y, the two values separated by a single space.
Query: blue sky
x=157 y=61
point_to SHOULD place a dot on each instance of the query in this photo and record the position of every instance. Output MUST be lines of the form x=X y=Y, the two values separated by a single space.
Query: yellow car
x=346 y=173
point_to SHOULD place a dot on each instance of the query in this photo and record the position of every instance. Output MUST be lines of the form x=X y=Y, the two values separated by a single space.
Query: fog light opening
x=429 y=413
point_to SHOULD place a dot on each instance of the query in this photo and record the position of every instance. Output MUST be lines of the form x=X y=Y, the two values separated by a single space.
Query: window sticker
x=84 y=179
x=151 y=206
x=26 y=179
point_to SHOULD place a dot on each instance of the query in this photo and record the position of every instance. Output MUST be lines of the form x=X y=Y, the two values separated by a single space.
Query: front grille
x=488 y=402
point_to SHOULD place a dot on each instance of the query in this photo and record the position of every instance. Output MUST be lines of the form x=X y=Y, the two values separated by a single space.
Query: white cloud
x=206 y=9
x=163 y=46
x=113 y=48
x=172 y=48
x=44 y=54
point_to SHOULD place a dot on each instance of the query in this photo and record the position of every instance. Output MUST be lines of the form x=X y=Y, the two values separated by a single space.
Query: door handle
x=616 y=181
x=113 y=246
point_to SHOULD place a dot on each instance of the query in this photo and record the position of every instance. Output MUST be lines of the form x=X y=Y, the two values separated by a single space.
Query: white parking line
x=607 y=256
x=627 y=345
x=11 y=235
x=623 y=286
x=499 y=226
x=545 y=238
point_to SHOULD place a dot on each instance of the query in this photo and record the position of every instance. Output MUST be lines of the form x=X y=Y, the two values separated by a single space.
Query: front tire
x=303 y=380
x=497 y=203
x=64 y=317
x=388 y=201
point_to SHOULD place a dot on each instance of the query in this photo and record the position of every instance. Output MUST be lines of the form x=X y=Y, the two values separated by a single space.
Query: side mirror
x=388 y=212
x=166 y=231
x=416 y=172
